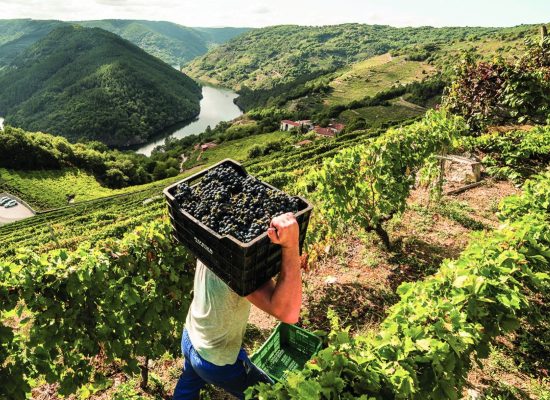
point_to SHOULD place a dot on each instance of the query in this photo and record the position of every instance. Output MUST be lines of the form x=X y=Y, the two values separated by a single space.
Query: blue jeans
x=197 y=372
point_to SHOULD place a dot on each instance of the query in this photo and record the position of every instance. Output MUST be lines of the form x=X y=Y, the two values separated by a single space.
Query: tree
x=171 y=172
x=114 y=177
x=255 y=151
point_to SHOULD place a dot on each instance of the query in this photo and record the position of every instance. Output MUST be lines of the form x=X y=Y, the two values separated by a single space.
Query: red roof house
x=208 y=145
x=290 y=122
x=330 y=132
x=338 y=127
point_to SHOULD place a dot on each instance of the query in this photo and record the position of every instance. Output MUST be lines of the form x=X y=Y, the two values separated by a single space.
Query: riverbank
x=216 y=106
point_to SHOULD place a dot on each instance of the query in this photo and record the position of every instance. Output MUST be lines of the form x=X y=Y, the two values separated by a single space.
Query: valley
x=417 y=292
x=172 y=43
x=89 y=83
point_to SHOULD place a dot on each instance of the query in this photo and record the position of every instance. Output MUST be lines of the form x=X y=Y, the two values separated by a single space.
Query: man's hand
x=284 y=231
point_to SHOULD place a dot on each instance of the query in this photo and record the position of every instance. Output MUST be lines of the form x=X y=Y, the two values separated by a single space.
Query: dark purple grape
x=233 y=204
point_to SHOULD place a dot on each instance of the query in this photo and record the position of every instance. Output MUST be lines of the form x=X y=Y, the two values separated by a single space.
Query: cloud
x=267 y=12
x=261 y=10
x=115 y=3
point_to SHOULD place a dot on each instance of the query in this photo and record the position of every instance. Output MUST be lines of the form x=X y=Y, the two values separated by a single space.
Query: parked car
x=10 y=204
x=4 y=199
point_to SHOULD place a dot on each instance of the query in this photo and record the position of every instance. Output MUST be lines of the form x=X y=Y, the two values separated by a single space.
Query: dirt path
x=183 y=160
x=402 y=102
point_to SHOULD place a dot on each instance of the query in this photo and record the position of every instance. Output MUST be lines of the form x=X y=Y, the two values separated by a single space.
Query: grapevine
x=428 y=342
x=369 y=183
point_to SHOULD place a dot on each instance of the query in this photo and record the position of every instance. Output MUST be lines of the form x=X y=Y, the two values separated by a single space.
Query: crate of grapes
x=221 y=215
x=288 y=348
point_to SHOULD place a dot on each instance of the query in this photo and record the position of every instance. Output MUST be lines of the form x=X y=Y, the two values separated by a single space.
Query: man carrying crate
x=217 y=318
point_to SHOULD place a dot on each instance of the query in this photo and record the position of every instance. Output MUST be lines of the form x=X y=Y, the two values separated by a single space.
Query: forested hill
x=172 y=43
x=263 y=58
x=89 y=83
x=18 y=34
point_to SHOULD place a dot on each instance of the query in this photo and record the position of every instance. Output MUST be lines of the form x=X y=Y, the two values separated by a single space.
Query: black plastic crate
x=244 y=267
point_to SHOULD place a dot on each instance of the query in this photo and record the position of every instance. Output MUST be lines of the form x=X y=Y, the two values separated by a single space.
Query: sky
x=259 y=13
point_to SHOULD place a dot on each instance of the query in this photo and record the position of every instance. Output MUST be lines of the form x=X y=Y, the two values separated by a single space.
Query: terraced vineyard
x=114 y=273
x=369 y=77
x=67 y=227
x=295 y=160
x=112 y=217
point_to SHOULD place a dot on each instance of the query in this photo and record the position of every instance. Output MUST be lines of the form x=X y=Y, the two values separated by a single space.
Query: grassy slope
x=378 y=115
x=366 y=78
x=235 y=149
x=51 y=188
x=44 y=190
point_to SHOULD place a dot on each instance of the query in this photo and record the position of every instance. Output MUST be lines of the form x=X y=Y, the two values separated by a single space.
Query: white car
x=10 y=204
x=4 y=199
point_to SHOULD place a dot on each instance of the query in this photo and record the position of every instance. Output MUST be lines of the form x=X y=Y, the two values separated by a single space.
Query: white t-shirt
x=217 y=318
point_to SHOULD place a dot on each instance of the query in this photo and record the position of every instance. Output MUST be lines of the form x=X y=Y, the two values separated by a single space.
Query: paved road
x=13 y=214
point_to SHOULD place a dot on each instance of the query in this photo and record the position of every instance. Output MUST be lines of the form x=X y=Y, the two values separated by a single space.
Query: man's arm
x=283 y=299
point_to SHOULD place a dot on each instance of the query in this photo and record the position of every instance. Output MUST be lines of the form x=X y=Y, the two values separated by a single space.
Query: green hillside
x=271 y=56
x=86 y=83
x=172 y=43
x=367 y=78
x=221 y=35
x=18 y=34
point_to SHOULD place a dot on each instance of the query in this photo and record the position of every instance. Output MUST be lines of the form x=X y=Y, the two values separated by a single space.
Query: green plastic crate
x=287 y=349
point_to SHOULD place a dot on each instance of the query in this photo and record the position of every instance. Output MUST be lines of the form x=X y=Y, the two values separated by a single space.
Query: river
x=216 y=106
x=1 y=123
